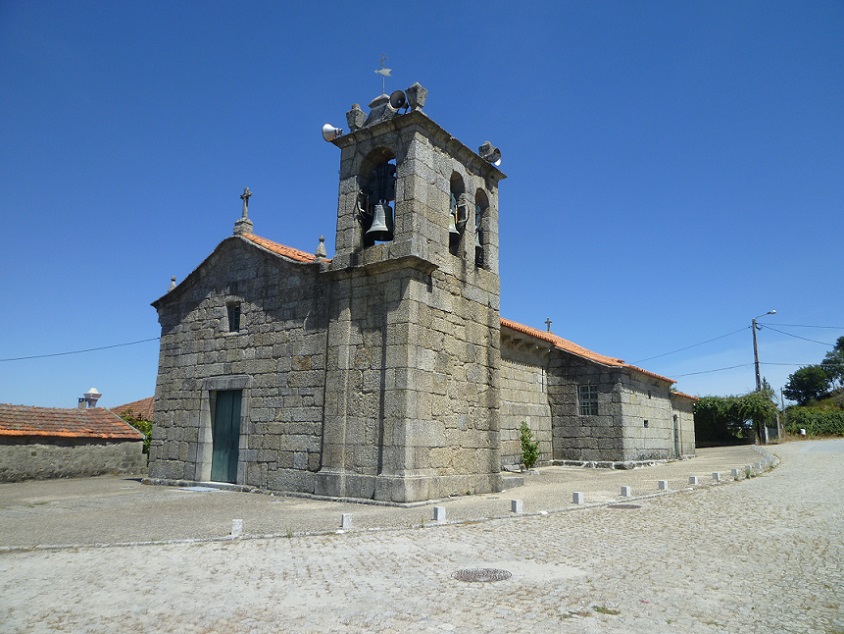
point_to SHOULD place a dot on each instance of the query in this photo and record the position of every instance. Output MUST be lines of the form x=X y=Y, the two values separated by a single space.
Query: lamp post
x=756 y=348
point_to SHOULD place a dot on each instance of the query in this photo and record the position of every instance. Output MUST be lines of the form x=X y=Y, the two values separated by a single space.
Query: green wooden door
x=226 y=436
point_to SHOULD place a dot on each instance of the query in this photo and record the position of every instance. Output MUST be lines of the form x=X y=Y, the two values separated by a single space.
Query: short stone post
x=693 y=480
x=662 y=485
x=716 y=477
x=577 y=498
x=517 y=506
x=346 y=521
x=237 y=528
x=757 y=466
x=439 y=513
x=735 y=473
x=627 y=492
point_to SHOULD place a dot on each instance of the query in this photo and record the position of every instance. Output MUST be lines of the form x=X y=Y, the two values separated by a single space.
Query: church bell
x=379 y=230
x=452 y=226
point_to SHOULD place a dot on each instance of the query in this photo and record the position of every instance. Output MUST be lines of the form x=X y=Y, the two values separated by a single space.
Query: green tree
x=723 y=419
x=758 y=408
x=807 y=384
x=142 y=425
x=833 y=363
x=530 y=447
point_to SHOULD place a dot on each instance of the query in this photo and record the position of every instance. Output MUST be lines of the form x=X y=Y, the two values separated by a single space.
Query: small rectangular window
x=587 y=396
x=234 y=317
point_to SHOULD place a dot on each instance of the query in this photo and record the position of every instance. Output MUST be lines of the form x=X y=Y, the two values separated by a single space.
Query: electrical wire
x=747 y=365
x=694 y=345
x=60 y=354
x=732 y=367
x=804 y=326
x=788 y=334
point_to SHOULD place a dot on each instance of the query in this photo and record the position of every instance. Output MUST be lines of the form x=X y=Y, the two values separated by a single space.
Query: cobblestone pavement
x=762 y=555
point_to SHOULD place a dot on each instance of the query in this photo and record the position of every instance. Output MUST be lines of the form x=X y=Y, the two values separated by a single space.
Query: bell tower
x=412 y=397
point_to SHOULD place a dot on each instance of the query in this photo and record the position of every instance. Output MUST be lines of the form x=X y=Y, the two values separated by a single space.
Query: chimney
x=89 y=399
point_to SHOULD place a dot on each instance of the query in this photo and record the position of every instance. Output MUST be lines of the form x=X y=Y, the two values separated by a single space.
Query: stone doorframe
x=205 y=448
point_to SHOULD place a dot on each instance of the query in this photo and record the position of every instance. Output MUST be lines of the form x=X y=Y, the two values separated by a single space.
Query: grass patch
x=602 y=609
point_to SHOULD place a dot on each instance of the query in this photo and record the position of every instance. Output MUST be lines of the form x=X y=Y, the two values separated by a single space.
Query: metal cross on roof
x=384 y=72
x=548 y=323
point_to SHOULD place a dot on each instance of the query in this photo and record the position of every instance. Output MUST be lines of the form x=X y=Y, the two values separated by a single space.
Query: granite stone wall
x=524 y=398
x=277 y=358
x=23 y=458
x=584 y=438
x=647 y=418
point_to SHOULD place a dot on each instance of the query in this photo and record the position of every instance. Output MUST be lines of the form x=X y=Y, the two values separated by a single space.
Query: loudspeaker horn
x=329 y=132
x=398 y=100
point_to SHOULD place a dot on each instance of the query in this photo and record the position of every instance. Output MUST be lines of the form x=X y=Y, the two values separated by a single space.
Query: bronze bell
x=379 y=229
x=452 y=226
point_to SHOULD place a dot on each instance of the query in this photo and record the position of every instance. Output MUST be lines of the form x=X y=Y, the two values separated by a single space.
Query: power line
x=804 y=326
x=747 y=365
x=787 y=334
x=732 y=367
x=60 y=354
x=694 y=345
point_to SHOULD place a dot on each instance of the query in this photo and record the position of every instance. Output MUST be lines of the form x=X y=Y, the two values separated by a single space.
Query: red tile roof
x=96 y=422
x=573 y=348
x=683 y=395
x=142 y=409
x=280 y=249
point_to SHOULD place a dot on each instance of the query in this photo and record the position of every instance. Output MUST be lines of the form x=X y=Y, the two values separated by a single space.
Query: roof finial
x=172 y=283
x=548 y=323
x=320 y=250
x=244 y=225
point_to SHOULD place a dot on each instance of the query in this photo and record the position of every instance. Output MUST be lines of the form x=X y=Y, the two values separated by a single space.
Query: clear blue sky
x=674 y=168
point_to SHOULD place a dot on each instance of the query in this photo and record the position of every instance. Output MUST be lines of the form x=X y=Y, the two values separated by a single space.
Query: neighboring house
x=143 y=409
x=47 y=442
x=139 y=414
x=386 y=372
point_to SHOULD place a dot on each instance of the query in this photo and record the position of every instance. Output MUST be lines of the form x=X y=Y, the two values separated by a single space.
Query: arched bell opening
x=458 y=213
x=376 y=192
x=481 y=207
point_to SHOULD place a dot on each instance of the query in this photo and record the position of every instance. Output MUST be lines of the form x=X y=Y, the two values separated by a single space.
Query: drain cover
x=482 y=575
x=625 y=506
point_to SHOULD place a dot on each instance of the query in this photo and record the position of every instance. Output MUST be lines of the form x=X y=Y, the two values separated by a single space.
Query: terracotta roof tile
x=142 y=409
x=573 y=348
x=683 y=395
x=97 y=422
x=280 y=249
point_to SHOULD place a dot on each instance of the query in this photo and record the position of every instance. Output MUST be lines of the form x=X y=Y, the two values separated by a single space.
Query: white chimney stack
x=91 y=397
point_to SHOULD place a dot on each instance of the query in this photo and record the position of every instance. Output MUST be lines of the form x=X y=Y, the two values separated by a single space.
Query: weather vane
x=384 y=72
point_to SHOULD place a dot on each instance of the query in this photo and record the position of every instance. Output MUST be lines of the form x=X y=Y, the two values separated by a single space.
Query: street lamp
x=756 y=348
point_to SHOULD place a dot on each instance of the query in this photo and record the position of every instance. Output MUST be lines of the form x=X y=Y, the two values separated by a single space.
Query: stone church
x=387 y=372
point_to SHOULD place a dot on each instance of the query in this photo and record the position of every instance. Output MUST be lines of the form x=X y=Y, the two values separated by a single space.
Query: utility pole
x=761 y=434
x=753 y=327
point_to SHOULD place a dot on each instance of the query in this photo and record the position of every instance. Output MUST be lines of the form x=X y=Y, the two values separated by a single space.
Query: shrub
x=530 y=447
x=816 y=421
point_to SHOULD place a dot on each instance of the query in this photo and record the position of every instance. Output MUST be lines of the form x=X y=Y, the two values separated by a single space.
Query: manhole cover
x=625 y=506
x=482 y=575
